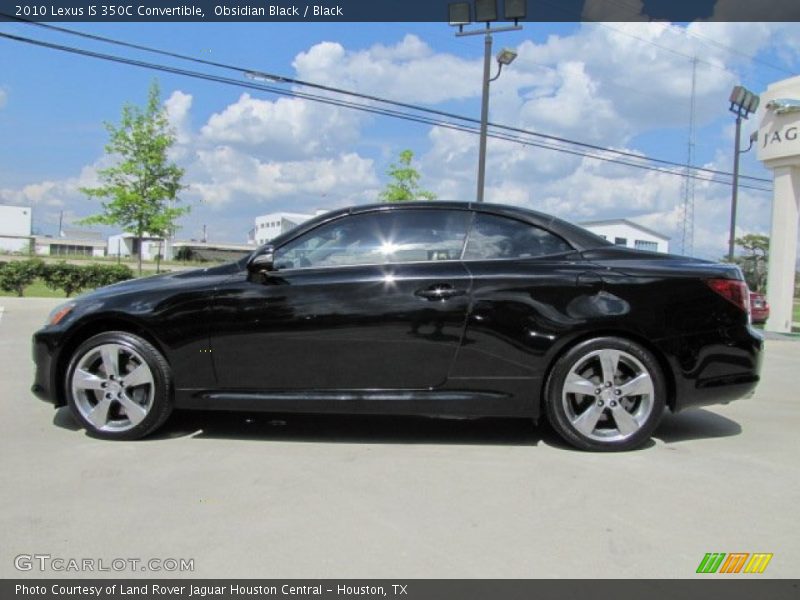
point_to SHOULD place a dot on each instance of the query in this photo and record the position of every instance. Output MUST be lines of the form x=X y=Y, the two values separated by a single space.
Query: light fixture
x=743 y=101
x=506 y=56
x=459 y=14
x=485 y=10
x=515 y=10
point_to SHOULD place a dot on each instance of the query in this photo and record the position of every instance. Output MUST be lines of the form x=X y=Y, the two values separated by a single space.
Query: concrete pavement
x=255 y=495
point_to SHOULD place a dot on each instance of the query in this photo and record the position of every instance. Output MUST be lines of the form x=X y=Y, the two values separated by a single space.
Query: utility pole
x=687 y=234
x=487 y=61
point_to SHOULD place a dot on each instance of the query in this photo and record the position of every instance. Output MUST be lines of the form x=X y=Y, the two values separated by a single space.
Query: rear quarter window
x=495 y=237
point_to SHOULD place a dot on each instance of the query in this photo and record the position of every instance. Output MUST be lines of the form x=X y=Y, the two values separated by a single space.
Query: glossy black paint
x=345 y=328
x=440 y=337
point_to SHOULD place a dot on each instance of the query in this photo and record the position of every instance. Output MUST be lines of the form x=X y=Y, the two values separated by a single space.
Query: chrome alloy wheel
x=113 y=387
x=608 y=395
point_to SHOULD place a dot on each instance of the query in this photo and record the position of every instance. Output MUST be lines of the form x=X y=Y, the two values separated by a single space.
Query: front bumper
x=45 y=377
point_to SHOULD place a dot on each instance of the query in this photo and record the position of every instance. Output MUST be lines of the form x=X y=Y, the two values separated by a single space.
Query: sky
x=625 y=86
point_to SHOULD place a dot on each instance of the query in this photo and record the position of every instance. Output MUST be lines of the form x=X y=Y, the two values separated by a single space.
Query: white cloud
x=223 y=174
x=52 y=194
x=286 y=129
x=178 y=107
x=3 y=97
x=408 y=71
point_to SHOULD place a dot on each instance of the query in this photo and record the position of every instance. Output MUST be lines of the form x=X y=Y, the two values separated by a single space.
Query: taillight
x=733 y=290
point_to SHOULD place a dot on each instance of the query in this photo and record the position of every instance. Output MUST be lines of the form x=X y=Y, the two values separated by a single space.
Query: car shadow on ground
x=692 y=424
x=355 y=429
x=695 y=424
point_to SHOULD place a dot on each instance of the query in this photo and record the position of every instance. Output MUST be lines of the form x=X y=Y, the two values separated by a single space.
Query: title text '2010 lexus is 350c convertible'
x=430 y=308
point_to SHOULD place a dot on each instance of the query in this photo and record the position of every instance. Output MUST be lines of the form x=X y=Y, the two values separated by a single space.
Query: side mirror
x=263 y=262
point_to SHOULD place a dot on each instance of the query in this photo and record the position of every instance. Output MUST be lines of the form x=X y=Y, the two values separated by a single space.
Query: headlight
x=59 y=312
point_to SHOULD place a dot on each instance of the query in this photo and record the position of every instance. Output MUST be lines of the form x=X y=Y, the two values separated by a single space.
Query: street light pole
x=735 y=191
x=487 y=61
x=743 y=102
x=486 y=12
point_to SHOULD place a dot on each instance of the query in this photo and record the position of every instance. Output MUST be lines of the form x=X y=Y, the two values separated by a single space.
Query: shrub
x=74 y=278
x=67 y=277
x=15 y=276
x=100 y=275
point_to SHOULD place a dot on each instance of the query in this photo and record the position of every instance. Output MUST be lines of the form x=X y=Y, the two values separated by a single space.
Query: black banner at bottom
x=728 y=588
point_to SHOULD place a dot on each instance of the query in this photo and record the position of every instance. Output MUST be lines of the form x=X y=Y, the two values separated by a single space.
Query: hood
x=161 y=281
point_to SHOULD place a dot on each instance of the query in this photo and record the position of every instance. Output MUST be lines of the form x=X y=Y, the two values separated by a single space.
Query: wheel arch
x=92 y=327
x=661 y=359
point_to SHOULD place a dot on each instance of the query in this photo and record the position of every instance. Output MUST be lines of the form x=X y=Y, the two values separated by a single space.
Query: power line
x=283 y=79
x=352 y=105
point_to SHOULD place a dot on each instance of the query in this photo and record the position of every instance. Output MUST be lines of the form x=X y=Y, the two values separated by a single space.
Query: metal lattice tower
x=687 y=212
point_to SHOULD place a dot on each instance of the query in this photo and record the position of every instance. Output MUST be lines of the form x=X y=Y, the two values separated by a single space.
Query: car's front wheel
x=118 y=386
x=605 y=394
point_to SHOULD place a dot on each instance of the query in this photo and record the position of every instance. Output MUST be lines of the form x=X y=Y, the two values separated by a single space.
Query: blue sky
x=246 y=153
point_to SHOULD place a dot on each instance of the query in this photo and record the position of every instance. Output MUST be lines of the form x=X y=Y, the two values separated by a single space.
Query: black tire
x=572 y=414
x=153 y=397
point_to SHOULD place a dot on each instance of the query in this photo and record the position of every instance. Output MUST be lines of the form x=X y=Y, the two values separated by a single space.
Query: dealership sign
x=779 y=134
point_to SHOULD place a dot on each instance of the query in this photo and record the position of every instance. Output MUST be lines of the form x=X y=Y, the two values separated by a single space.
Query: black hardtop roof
x=579 y=237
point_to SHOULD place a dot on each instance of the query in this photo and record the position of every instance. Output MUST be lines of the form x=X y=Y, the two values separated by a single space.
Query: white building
x=15 y=229
x=629 y=234
x=272 y=225
x=69 y=246
x=127 y=244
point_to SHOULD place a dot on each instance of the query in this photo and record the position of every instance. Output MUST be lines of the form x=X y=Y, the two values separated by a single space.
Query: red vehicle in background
x=759 y=307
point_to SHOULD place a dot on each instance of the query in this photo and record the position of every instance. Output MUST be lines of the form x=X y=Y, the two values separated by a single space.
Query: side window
x=423 y=235
x=494 y=237
x=348 y=241
x=379 y=238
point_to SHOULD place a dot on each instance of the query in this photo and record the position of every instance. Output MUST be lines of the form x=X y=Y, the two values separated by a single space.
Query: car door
x=527 y=292
x=376 y=300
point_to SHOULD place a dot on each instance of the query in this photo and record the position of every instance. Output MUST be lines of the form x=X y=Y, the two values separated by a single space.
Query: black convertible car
x=434 y=308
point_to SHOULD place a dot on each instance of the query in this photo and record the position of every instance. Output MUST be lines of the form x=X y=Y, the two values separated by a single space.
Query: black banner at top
x=400 y=10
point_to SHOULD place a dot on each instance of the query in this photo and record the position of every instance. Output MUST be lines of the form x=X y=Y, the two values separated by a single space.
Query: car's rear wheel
x=118 y=386
x=605 y=394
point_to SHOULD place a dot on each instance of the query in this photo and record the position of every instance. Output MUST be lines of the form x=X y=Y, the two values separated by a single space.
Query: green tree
x=137 y=192
x=404 y=183
x=16 y=275
x=753 y=261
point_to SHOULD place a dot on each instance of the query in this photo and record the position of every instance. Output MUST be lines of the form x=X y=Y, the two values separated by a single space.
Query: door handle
x=439 y=292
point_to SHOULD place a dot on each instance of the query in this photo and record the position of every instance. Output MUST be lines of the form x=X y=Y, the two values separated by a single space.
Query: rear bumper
x=715 y=367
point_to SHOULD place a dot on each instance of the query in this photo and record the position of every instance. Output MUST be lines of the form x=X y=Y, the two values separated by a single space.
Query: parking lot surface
x=259 y=495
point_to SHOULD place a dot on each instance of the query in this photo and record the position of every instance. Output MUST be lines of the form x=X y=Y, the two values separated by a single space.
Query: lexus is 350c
x=432 y=308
